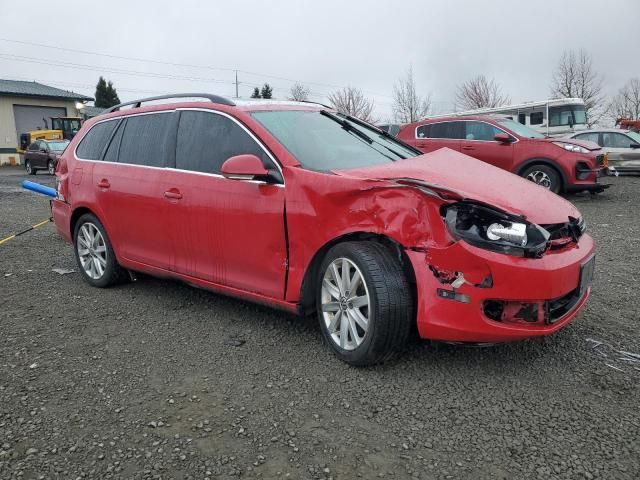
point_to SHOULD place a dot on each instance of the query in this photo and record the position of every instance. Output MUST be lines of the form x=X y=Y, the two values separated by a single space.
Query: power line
x=161 y=62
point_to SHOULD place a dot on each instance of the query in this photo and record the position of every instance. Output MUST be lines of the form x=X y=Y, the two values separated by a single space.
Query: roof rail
x=137 y=103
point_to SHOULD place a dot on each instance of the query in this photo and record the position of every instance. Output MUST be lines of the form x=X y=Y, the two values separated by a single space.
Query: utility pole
x=236 y=83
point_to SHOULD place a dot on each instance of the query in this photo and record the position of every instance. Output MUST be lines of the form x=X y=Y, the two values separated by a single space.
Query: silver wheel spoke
x=360 y=319
x=356 y=280
x=333 y=325
x=359 y=302
x=343 y=330
x=336 y=276
x=332 y=289
x=330 y=307
x=352 y=329
x=345 y=276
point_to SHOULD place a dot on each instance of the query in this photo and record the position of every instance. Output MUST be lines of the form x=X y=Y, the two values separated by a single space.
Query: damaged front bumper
x=468 y=294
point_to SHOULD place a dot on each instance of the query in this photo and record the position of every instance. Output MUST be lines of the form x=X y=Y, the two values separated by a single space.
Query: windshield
x=567 y=115
x=635 y=136
x=519 y=129
x=57 y=146
x=324 y=141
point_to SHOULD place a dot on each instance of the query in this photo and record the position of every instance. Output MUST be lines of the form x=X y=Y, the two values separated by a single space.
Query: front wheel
x=545 y=176
x=51 y=168
x=94 y=253
x=364 y=303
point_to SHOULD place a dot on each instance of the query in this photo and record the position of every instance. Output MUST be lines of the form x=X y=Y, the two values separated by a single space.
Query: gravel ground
x=159 y=380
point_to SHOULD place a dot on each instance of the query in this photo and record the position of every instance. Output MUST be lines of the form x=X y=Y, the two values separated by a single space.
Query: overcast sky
x=324 y=44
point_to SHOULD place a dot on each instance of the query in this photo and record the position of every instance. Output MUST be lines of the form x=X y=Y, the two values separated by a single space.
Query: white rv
x=553 y=117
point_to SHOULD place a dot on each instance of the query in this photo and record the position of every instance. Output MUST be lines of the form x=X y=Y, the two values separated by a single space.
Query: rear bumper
x=515 y=282
x=61 y=213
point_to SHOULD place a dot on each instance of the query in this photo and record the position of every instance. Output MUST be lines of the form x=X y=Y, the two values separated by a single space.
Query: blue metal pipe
x=36 y=187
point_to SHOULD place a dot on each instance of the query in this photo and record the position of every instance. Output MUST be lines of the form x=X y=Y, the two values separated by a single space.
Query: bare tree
x=351 y=101
x=408 y=106
x=626 y=104
x=575 y=77
x=298 y=92
x=480 y=92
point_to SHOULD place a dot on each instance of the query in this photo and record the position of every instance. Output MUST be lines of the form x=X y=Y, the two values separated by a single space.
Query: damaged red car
x=302 y=208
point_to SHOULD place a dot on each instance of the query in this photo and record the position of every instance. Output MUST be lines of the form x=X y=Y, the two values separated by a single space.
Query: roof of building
x=20 y=88
x=90 y=111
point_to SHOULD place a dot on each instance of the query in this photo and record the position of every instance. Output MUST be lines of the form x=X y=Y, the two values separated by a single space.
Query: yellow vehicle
x=61 y=128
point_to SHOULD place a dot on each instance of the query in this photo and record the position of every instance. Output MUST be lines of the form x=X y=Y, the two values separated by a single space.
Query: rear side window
x=536 y=118
x=591 y=137
x=95 y=141
x=206 y=140
x=143 y=140
x=453 y=130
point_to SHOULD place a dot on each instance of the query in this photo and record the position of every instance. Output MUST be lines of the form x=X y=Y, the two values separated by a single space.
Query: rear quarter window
x=94 y=142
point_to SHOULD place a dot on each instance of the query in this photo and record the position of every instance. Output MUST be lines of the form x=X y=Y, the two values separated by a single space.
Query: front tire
x=51 y=168
x=94 y=254
x=545 y=176
x=364 y=303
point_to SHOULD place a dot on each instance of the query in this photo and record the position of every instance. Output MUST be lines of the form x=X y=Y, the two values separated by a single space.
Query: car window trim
x=173 y=111
x=464 y=139
x=247 y=130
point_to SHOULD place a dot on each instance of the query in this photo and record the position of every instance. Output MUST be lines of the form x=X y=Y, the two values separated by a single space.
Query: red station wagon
x=299 y=207
x=559 y=164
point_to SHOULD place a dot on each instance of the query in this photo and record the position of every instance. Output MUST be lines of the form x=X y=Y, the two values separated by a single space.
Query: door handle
x=466 y=147
x=173 y=194
x=104 y=183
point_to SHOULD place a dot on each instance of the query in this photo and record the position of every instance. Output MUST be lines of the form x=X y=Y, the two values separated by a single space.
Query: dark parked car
x=43 y=155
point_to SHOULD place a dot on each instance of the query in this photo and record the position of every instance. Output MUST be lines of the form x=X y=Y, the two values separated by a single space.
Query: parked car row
x=300 y=207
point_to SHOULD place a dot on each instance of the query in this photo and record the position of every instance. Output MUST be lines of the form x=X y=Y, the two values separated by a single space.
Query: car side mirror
x=502 y=137
x=244 y=167
x=634 y=145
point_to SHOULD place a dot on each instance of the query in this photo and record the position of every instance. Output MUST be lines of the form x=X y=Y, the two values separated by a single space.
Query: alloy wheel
x=92 y=250
x=540 y=178
x=345 y=303
x=27 y=167
x=51 y=168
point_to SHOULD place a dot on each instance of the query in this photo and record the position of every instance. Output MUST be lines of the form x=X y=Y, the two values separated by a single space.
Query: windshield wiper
x=347 y=126
x=357 y=121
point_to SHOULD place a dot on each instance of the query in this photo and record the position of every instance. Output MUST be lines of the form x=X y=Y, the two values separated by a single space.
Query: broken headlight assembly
x=492 y=229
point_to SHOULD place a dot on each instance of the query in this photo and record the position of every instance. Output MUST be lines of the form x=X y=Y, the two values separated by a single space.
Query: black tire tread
x=394 y=308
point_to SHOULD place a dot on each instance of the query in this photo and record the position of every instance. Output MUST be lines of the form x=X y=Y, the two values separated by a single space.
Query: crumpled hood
x=476 y=180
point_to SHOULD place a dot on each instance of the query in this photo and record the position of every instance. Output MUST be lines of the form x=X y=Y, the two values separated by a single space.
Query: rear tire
x=367 y=318
x=545 y=176
x=94 y=254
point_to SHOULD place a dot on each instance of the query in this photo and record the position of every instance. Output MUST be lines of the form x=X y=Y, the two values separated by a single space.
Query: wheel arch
x=307 y=290
x=549 y=163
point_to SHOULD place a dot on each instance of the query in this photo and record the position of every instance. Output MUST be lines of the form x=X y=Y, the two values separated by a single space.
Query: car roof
x=485 y=118
x=602 y=130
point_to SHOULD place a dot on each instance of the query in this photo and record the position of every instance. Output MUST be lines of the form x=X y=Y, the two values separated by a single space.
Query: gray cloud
x=330 y=43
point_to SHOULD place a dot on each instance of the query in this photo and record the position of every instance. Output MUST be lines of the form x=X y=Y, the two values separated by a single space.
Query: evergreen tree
x=256 y=93
x=106 y=95
x=266 y=91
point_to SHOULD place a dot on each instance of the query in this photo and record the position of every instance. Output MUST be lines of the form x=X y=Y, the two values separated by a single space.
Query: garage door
x=31 y=117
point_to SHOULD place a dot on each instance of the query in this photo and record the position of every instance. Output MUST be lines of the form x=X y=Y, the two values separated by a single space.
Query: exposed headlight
x=571 y=147
x=491 y=229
